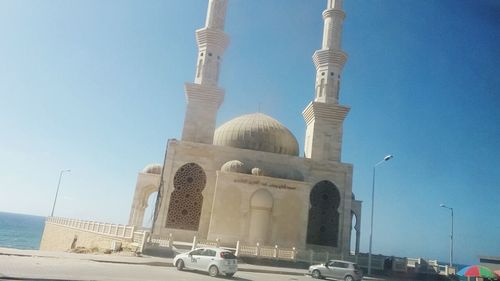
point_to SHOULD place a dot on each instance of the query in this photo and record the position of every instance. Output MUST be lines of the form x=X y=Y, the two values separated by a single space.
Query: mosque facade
x=245 y=181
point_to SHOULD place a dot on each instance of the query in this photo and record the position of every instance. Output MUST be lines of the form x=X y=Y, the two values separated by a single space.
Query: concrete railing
x=166 y=242
x=378 y=261
x=257 y=250
x=197 y=243
x=139 y=239
x=243 y=250
x=122 y=232
x=108 y=229
x=399 y=264
x=297 y=255
x=273 y=252
x=412 y=262
x=429 y=267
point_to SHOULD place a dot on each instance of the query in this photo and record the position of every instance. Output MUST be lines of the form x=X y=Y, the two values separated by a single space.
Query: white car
x=213 y=260
x=337 y=269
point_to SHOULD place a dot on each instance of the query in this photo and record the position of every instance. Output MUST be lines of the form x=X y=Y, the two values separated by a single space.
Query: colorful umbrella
x=476 y=271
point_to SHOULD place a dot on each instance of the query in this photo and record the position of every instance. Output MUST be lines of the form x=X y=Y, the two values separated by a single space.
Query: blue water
x=21 y=231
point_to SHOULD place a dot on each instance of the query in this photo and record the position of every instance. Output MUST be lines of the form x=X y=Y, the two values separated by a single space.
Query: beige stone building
x=245 y=181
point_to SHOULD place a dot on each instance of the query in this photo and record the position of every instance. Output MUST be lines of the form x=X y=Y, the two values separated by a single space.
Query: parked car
x=337 y=269
x=213 y=260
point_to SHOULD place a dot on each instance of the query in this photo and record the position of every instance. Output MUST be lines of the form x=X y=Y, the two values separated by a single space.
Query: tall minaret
x=204 y=96
x=324 y=116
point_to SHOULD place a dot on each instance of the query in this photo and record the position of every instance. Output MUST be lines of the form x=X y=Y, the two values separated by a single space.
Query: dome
x=152 y=169
x=234 y=166
x=257 y=132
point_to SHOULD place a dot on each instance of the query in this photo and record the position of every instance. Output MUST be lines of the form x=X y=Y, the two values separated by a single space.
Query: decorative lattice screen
x=186 y=200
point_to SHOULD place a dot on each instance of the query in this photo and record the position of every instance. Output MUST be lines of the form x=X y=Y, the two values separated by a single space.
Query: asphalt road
x=49 y=268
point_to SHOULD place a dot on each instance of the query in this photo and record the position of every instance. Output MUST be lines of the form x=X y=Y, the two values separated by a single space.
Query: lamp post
x=387 y=158
x=451 y=235
x=57 y=191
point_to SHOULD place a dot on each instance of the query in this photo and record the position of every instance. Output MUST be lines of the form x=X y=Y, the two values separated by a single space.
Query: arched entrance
x=261 y=206
x=186 y=200
x=353 y=234
x=323 y=223
x=144 y=202
x=149 y=210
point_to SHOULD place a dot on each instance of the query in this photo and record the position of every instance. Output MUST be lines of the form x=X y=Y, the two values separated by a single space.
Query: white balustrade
x=113 y=230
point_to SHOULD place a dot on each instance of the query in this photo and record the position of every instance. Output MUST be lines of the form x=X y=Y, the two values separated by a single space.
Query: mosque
x=245 y=181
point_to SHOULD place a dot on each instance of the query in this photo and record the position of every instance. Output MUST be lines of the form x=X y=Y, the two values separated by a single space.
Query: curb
x=271 y=271
x=165 y=264
x=154 y=263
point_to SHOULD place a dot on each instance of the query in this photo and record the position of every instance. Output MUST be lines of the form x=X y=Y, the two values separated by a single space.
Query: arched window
x=186 y=200
x=217 y=71
x=200 y=64
x=261 y=206
x=337 y=90
x=323 y=224
x=321 y=87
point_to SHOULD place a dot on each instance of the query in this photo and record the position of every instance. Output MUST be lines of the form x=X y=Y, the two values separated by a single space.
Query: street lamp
x=387 y=158
x=57 y=191
x=451 y=235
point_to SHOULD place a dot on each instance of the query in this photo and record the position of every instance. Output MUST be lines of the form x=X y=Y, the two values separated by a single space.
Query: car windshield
x=227 y=255
x=196 y=252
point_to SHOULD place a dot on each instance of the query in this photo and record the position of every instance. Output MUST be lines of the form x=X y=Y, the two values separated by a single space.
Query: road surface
x=51 y=268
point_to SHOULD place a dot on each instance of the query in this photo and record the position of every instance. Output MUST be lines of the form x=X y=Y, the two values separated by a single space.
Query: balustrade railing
x=115 y=230
x=273 y=252
x=140 y=238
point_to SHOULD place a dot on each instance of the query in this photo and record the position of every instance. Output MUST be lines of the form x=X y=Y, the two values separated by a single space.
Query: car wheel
x=213 y=271
x=316 y=274
x=180 y=265
x=229 y=274
x=349 y=278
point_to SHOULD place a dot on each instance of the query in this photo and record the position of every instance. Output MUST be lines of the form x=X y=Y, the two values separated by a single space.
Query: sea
x=21 y=231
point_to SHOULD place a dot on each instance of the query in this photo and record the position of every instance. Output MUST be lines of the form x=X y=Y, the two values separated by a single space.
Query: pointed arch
x=323 y=223
x=140 y=204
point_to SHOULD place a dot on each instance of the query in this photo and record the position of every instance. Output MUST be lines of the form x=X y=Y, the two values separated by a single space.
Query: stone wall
x=243 y=217
x=63 y=238
x=295 y=171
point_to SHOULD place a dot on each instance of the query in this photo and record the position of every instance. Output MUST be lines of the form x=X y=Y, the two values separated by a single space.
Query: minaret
x=204 y=97
x=324 y=116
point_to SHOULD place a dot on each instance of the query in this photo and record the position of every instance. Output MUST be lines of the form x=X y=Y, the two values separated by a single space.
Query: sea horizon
x=21 y=231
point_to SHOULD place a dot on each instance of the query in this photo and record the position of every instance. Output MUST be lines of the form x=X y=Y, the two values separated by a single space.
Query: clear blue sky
x=97 y=87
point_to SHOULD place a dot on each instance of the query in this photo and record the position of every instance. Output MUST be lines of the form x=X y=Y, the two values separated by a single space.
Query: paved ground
x=40 y=265
x=44 y=268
